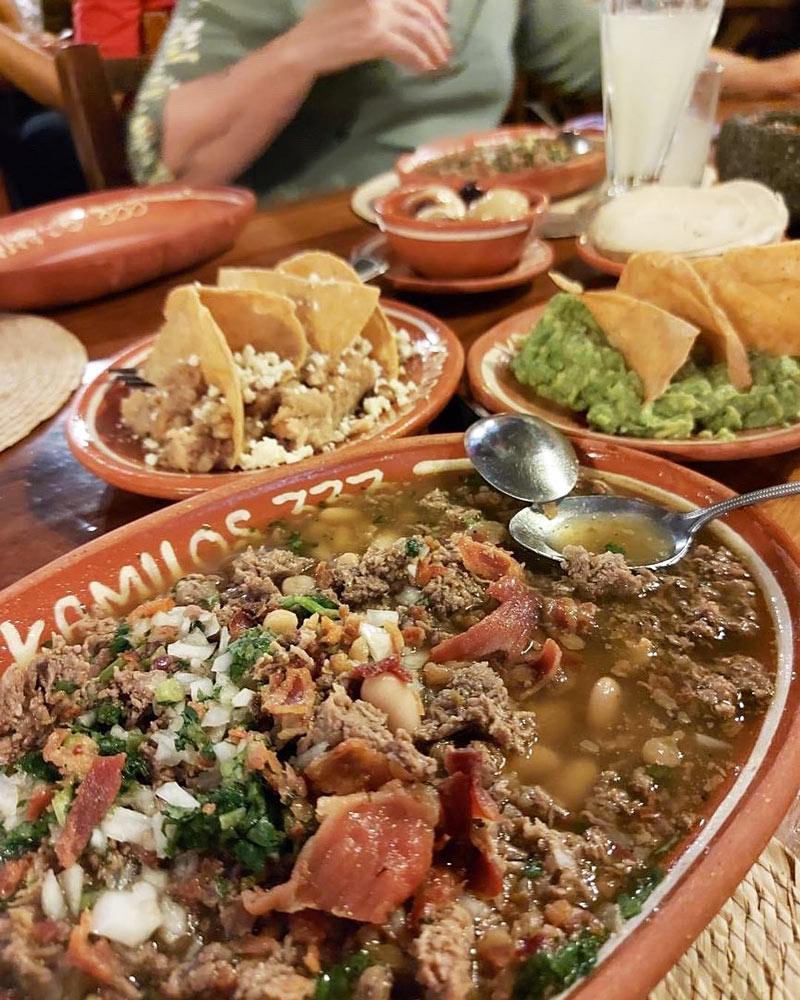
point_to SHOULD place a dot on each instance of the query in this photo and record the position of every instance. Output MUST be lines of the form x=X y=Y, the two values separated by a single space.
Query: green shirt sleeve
x=559 y=41
x=204 y=37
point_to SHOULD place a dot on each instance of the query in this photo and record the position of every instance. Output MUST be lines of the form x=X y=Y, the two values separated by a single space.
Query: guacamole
x=566 y=358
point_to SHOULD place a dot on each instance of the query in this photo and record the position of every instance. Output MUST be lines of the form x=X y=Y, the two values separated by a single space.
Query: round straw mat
x=751 y=949
x=40 y=365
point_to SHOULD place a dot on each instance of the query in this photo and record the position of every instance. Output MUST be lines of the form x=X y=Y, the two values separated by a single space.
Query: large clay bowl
x=126 y=565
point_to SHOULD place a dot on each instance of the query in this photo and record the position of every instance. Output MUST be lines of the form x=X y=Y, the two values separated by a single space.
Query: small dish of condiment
x=468 y=230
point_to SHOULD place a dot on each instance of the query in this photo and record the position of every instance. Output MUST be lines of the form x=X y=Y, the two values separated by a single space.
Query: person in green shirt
x=292 y=97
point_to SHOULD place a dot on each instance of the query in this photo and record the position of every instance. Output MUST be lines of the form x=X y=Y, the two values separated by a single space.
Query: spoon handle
x=697 y=518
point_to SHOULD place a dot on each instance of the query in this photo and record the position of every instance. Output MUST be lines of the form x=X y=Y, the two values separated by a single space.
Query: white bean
x=339 y=515
x=605 y=704
x=572 y=783
x=540 y=762
x=281 y=621
x=397 y=699
x=294 y=586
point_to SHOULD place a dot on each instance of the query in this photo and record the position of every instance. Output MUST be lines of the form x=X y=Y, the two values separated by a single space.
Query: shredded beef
x=340 y=718
x=379 y=572
x=260 y=572
x=443 y=953
x=374 y=983
x=477 y=699
x=439 y=507
x=604 y=574
x=273 y=979
x=196 y=589
x=209 y=975
x=454 y=590
x=133 y=689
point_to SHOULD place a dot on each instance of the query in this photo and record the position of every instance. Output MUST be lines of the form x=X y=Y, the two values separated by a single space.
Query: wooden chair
x=93 y=92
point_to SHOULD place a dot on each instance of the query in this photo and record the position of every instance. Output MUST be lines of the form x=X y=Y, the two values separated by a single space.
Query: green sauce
x=566 y=358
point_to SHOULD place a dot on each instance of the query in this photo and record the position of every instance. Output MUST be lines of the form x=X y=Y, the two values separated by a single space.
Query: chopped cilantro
x=107 y=673
x=295 y=543
x=630 y=903
x=613 y=547
x=34 y=764
x=120 y=643
x=337 y=982
x=246 y=822
x=312 y=604
x=135 y=768
x=68 y=687
x=24 y=838
x=247 y=649
x=660 y=774
x=533 y=869
x=108 y=713
x=546 y=973
x=667 y=846
x=413 y=547
x=191 y=734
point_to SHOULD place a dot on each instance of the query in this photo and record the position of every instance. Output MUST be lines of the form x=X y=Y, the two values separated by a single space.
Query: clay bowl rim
x=643 y=953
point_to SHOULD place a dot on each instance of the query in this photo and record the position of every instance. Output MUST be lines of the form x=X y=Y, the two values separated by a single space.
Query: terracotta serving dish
x=557 y=180
x=100 y=443
x=81 y=248
x=143 y=558
x=458 y=249
x=495 y=387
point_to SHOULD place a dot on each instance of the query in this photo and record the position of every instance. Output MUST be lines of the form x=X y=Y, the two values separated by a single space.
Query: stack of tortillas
x=41 y=363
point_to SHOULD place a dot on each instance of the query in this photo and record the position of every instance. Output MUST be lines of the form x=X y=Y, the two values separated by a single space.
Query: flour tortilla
x=41 y=363
x=676 y=285
x=190 y=329
x=333 y=313
x=654 y=343
x=318 y=265
x=759 y=289
x=265 y=320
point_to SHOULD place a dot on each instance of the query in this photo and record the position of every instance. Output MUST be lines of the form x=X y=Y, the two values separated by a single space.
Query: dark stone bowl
x=764 y=147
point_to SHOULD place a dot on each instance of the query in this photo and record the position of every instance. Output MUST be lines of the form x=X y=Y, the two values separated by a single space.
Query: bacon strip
x=487 y=561
x=12 y=873
x=370 y=853
x=95 y=797
x=289 y=699
x=352 y=766
x=38 y=802
x=509 y=629
x=389 y=665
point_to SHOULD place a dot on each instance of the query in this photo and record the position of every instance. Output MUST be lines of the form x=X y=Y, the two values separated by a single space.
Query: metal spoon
x=368 y=267
x=523 y=457
x=671 y=533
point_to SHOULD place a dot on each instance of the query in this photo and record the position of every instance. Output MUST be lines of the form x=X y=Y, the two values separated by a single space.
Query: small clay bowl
x=462 y=248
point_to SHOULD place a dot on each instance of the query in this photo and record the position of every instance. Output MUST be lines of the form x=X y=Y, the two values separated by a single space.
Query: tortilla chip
x=759 y=289
x=190 y=330
x=674 y=284
x=263 y=319
x=654 y=343
x=332 y=312
x=324 y=266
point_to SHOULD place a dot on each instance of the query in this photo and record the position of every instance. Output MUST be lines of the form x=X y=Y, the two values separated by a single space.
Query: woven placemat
x=751 y=949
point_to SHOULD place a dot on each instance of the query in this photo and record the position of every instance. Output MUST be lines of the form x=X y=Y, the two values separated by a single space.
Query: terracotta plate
x=595 y=258
x=81 y=248
x=557 y=180
x=495 y=387
x=99 y=443
x=537 y=257
x=127 y=565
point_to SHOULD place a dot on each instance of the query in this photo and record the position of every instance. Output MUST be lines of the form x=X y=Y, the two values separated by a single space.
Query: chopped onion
x=159 y=837
x=174 y=923
x=225 y=751
x=243 y=698
x=143 y=800
x=128 y=916
x=87 y=719
x=173 y=617
x=128 y=827
x=166 y=753
x=185 y=678
x=201 y=686
x=193 y=647
x=9 y=796
x=711 y=743
x=210 y=623
x=98 y=841
x=226 y=691
x=217 y=715
x=53 y=904
x=224 y=639
x=378 y=640
x=222 y=664
x=380 y=617
x=118 y=733
x=409 y=595
x=305 y=758
x=413 y=659
x=174 y=795
x=156 y=878
x=71 y=880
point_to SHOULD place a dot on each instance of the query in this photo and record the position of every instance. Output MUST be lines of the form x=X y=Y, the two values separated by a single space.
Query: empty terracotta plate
x=81 y=248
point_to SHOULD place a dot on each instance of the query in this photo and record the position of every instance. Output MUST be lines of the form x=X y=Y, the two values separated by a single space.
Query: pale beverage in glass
x=688 y=154
x=652 y=52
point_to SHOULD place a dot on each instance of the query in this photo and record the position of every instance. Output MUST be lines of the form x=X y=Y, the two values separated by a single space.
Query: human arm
x=215 y=126
x=758 y=78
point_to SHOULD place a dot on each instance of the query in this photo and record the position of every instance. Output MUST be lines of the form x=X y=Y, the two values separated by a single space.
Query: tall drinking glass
x=652 y=52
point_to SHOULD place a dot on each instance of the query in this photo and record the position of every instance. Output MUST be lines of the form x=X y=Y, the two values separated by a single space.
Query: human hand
x=336 y=34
